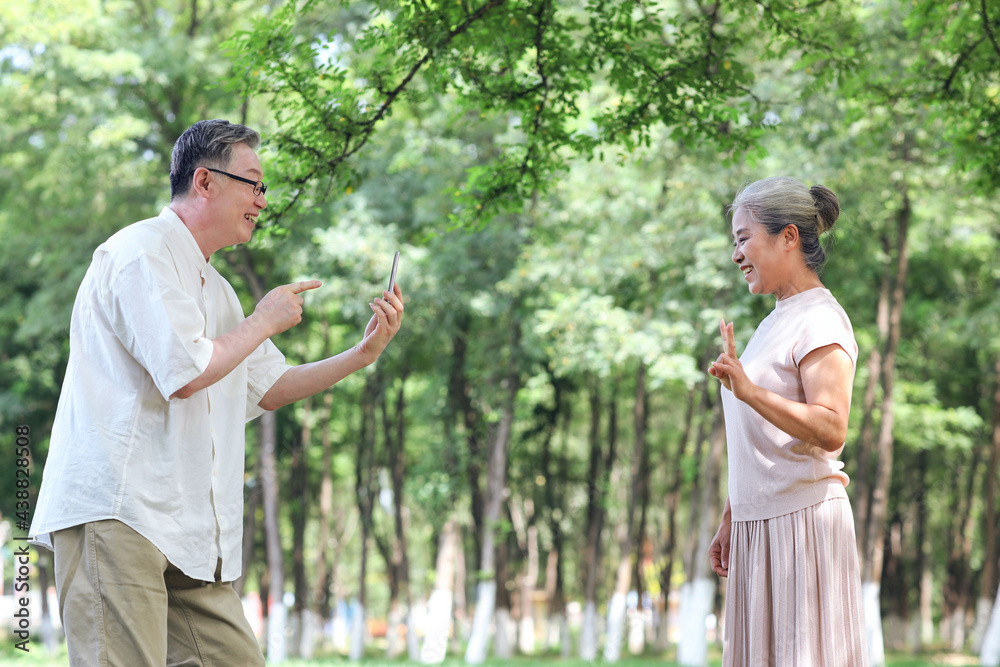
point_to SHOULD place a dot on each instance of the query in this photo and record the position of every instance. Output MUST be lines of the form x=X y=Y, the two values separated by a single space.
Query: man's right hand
x=281 y=308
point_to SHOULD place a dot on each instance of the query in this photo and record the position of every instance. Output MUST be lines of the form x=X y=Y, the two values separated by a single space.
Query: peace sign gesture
x=727 y=368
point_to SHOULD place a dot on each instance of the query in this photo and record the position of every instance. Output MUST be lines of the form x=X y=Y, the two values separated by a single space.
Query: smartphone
x=392 y=276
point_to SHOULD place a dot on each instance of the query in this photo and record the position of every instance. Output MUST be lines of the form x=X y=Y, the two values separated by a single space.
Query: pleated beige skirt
x=793 y=596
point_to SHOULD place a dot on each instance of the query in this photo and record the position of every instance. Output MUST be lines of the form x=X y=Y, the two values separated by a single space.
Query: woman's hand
x=718 y=552
x=827 y=377
x=728 y=369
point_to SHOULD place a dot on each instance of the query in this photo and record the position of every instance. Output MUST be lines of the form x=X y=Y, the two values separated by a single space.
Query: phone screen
x=392 y=276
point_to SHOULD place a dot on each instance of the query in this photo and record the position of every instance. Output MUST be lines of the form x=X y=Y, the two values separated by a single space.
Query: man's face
x=238 y=207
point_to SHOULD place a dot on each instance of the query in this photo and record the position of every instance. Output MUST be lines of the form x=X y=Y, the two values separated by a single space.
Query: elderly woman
x=786 y=541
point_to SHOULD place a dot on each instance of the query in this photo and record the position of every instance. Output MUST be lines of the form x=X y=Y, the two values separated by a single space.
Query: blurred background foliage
x=555 y=176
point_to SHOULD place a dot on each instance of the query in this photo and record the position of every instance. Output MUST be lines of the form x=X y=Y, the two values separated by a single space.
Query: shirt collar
x=181 y=231
x=807 y=296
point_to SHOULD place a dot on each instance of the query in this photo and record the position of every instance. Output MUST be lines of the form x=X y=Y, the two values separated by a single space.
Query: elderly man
x=142 y=494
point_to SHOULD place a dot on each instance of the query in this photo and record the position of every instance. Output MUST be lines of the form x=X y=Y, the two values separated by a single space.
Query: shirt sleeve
x=160 y=325
x=264 y=366
x=826 y=326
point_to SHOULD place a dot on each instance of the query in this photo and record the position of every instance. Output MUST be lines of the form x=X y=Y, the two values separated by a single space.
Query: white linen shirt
x=142 y=328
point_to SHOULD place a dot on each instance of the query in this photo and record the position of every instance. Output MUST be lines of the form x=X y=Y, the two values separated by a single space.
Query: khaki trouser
x=122 y=603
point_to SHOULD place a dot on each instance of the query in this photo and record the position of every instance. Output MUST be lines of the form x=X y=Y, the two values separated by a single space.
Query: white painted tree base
x=989 y=656
x=504 y=628
x=695 y=606
x=412 y=643
x=526 y=636
x=636 y=633
x=357 y=650
x=393 y=642
x=312 y=627
x=277 y=618
x=340 y=633
x=616 y=628
x=479 y=642
x=982 y=622
x=588 y=632
x=873 y=623
x=435 y=646
x=565 y=638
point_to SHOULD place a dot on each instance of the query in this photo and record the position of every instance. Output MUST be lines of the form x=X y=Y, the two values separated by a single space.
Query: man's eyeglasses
x=258 y=186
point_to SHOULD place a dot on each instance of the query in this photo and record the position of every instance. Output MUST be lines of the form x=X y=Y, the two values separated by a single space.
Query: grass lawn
x=37 y=658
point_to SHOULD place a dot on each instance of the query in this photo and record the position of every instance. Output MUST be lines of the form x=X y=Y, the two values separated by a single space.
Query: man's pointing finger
x=298 y=288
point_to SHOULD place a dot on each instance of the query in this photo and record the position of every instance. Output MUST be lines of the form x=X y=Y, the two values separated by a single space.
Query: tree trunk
x=669 y=548
x=496 y=482
x=989 y=656
x=46 y=564
x=264 y=586
x=707 y=414
x=990 y=579
x=592 y=547
x=439 y=606
x=958 y=591
x=267 y=433
x=554 y=483
x=249 y=528
x=277 y=649
x=924 y=633
x=543 y=501
x=617 y=611
x=526 y=525
x=398 y=480
x=503 y=647
x=598 y=483
x=865 y=448
x=872 y=550
x=299 y=494
x=698 y=592
x=895 y=587
x=461 y=406
x=364 y=471
x=397 y=564
x=460 y=410
x=320 y=608
x=640 y=544
x=460 y=617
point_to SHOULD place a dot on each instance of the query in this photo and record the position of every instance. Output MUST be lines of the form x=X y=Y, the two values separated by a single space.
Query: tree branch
x=193 y=26
x=352 y=143
x=452 y=34
x=794 y=34
x=713 y=18
x=958 y=64
x=987 y=27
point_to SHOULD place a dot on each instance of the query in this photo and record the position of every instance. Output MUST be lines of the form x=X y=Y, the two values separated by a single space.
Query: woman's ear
x=790 y=236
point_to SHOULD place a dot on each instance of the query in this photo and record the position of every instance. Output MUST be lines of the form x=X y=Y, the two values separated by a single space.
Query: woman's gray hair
x=207 y=143
x=780 y=201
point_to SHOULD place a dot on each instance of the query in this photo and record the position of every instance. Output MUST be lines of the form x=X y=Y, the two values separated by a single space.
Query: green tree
x=533 y=65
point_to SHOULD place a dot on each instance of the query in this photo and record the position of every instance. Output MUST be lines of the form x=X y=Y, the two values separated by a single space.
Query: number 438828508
x=22 y=459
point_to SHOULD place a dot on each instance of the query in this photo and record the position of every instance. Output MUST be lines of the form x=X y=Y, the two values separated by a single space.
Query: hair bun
x=827 y=207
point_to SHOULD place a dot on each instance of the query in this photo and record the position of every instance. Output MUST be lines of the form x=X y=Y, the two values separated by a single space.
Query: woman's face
x=757 y=254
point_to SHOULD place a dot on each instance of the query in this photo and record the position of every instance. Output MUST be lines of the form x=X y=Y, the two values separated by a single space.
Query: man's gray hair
x=207 y=143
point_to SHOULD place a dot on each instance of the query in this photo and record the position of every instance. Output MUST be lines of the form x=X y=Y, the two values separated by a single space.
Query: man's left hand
x=383 y=325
